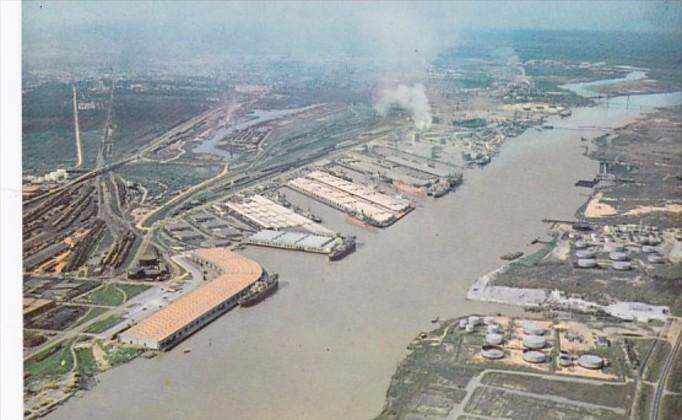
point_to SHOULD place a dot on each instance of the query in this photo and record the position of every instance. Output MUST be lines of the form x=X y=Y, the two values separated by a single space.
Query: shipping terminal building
x=175 y=322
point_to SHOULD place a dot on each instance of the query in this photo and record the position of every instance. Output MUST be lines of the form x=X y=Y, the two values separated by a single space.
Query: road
x=660 y=386
x=76 y=125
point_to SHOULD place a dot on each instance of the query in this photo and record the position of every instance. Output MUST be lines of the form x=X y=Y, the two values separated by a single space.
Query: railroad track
x=660 y=387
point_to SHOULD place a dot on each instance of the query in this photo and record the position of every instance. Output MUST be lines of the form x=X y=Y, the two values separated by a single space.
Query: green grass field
x=174 y=176
x=615 y=395
x=56 y=360
x=132 y=290
x=108 y=295
x=105 y=324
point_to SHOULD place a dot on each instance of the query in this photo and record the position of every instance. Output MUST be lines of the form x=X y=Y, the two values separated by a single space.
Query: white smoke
x=410 y=98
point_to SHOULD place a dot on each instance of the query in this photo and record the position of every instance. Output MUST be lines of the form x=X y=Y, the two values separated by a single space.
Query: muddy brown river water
x=326 y=344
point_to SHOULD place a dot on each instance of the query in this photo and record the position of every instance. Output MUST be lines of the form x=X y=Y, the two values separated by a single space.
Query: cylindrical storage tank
x=534 y=356
x=565 y=361
x=643 y=240
x=587 y=263
x=580 y=244
x=648 y=249
x=462 y=323
x=492 y=352
x=494 y=339
x=622 y=265
x=533 y=328
x=584 y=253
x=534 y=342
x=618 y=256
x=469 y=328
x=655 y=258
x=654 y=240
x=590 y=361
x=494 y=329
x=474 y=320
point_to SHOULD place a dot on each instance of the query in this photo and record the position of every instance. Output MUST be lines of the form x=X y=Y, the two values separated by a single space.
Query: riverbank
x=335 y=331
x=640 y=187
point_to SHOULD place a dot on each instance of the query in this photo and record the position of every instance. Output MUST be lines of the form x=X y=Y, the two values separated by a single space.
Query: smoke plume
x=410 y=98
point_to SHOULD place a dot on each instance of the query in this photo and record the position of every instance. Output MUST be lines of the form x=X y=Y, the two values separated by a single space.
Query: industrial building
x=294 y=240
x=357 y=200
x=175 y=322
x=267 y=214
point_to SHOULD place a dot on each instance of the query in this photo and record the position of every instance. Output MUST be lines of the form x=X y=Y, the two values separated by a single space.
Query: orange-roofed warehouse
x=191 y=312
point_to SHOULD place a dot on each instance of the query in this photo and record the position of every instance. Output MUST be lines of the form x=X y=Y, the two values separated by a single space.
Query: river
x=257 y=116
x=326 y=344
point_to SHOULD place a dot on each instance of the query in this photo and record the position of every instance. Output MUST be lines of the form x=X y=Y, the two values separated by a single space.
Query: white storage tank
x=492 y=352
x=462 y=323
x=474 y=320
x=494 y=339
x=469 y=328
x=565 y=361
x=534 y=342
x=587 y=263
x=533 y=328
x=655 y=258
x=622 y=265
x=590 y=361
x=580 y=244
x=584 y=253
x=648 y=249
x=494 y=329
x=534 y=356
x=618 y=256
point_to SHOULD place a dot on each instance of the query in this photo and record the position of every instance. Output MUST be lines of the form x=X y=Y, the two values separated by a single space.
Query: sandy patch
x=668 y=208
x=100 y=356
x=595 y=208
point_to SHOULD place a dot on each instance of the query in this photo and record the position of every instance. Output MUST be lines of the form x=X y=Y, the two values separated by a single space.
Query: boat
x=344 y=248
x=260 y=290
x=512 y=256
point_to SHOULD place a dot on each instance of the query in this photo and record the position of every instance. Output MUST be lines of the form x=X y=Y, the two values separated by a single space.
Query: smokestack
x=410 y=98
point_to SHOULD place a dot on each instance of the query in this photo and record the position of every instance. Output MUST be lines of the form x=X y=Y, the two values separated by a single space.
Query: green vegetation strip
x=87 y=365
x=54 y=361
x=104 y=324
x=656 y=360
x=117 y=355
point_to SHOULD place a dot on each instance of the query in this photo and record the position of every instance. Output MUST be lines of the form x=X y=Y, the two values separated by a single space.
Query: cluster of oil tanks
x=534 y=341
x=494 y=335
x=617 y=254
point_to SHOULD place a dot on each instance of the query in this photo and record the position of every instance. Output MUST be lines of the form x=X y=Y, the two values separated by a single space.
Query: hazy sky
x=648 y=15
x=312 y=28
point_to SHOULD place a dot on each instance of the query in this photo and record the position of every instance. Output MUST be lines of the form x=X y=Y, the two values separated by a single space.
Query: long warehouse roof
x=238 y=273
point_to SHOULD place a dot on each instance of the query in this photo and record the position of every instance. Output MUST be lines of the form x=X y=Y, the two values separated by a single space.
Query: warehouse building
x=180 y=319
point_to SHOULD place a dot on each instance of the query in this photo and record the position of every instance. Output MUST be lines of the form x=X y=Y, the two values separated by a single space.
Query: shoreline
x=473 y=170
